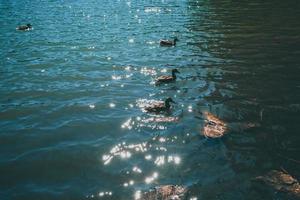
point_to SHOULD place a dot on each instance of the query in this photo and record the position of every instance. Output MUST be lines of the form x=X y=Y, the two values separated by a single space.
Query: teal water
x=71 y=125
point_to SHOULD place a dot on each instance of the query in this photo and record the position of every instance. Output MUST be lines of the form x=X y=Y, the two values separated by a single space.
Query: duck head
x=168 y=101
x=29 y=25
x=174 y=72
x=175 y=40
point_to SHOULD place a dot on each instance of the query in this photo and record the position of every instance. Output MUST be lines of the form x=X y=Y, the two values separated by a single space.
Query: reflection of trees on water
x=256 y=45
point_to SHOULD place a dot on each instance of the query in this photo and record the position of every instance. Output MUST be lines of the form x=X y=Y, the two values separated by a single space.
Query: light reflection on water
x=154 y=152
x=124 y=151
x=151 y=178
x=158 y=122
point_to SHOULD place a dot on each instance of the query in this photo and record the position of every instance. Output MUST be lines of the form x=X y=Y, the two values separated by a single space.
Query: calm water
x=71 y=126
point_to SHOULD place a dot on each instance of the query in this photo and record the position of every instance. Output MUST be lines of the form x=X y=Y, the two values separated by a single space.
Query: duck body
x=159 y=106
x=26 y=27
x=168 y=42
x=167 y=79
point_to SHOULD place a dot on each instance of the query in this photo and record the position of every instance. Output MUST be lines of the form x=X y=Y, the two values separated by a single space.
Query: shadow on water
x=257 y=86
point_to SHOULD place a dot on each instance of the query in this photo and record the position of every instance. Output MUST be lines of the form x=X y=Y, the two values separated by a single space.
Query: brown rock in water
x=213 y=126
x=280 y=181
x=165 y=192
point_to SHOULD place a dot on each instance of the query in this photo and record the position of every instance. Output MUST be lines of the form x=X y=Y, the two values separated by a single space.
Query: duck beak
x=173 y=102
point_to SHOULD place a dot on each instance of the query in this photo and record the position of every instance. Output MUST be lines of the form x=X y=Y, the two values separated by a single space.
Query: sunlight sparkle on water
x=131 y=182
x=161 y=149
x=160 y=160
x=150 y=42
x=128 y=124
x=107 y=159
x=125 y=154
x=137 y=195
x=150 y=179
x=163 y=70
x=123 y=151
x=148 y=71
x=136 y=169
x=114 y=77
x=162 y=139
x=175 y=159
x=128 y=68
x=102 y=194
x=112 y=105
x=152 y=9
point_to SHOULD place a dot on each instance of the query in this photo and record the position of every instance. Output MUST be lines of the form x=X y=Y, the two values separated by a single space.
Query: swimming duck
x=168 y=42
x=160 y=106
x=24 y=27
x=167 y=79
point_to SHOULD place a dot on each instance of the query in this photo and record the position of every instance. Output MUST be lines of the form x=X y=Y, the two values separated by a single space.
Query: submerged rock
x=280 y=181
x=164 y=192
x=213 y=126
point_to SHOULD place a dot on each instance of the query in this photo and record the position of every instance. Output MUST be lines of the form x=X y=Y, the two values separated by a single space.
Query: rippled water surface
x=72 y=88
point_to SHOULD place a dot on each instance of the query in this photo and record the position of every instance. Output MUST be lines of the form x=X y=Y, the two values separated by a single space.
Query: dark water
x=71 y=127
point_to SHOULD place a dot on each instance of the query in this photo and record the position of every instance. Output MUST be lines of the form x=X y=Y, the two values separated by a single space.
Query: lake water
x=71 y=125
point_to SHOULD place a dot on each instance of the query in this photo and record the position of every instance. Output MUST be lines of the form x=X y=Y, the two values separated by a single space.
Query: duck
x=168 y=42
x=160 y=106
x=26 y=27
x=167 y=79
